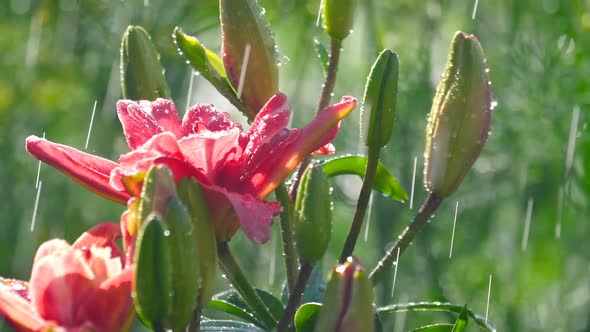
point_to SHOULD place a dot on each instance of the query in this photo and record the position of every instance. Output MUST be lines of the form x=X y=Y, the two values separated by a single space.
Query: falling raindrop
x=489 y=294
x=395 y=271
x=453 y=234
x=190 y=89
x=244 y=67
x=317 y=22
x=36 y=206
x=90 y=126
x=370 y=208
x=413 y=183
x=527 y=224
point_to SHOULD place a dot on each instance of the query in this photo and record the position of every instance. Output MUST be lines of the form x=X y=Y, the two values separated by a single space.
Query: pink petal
x=208 y=152
x=101 y=235
x=16 y=287
x=319 y=132
x=50 y=247
x=326 y=149
x=90 y=171
x=253 y=214
x=206 y=117
x=59 y=285
x=20 y=313
x=144 y=119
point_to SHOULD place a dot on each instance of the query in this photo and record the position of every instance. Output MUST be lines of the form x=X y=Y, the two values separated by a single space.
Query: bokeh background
x=57 y=58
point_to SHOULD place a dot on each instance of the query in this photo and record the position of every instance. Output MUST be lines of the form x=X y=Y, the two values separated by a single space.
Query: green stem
x=295 y=297
x=362 y=204
x=430 y=205
x=195 y=325
x=289 y=254
x=241 y=283
x=325 y=98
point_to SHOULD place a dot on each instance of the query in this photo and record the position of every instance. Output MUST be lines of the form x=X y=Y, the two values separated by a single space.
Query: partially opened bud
x=378 y=108
x=142 y=75
x=460 y=117
x=249 y=52
x=348 y=301
x=338 y=17
x=313 y=211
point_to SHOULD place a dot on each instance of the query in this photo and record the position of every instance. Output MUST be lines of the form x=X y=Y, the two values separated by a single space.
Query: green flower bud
x=192 y=196
x=142 y=75
x=460 y=117
x=378 y=108
x=173 y=243
x=313 y=211
x=348 y=301
x=249 y=52
x=338 y=17
x=152 y=279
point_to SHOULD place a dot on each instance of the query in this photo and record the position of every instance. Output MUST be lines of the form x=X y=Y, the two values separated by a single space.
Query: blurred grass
x=58 y=57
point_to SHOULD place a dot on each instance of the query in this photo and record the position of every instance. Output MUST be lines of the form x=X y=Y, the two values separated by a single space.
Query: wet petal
x=20 y=313
x=144 y=119
x=319 y=132
x=101 y=235
x=17 y=287
x=206 y=117
x=90 y=171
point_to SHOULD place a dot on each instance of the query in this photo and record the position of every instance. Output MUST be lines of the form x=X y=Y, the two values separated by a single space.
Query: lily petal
x=144 y=119
x=101 y=235
x=206 y=117
x=90 y=171
x=319 y=132
x=21 y=313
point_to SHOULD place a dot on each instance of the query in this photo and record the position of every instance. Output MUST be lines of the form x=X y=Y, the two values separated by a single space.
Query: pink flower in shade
x=79 y=287
x=236 y=169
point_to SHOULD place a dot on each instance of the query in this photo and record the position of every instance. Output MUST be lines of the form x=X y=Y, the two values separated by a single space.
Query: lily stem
x=295 y=297
x=289 y=254
x=241 y=283
x=431 y=203
x=195 y=325
x=362 y=204
x=325 y=98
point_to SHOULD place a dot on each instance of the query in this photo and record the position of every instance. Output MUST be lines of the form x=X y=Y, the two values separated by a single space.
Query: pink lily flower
x=73 y=288
x=238 y=170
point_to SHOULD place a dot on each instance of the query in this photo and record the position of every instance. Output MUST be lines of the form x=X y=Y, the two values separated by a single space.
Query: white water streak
x=527 y=224
x=90 y=126
x=32 y=50
x=36 y=206
x=489 y=295
x=559 y=213
x=369 y=214
x=38 y=170
x=571 y=142
x=190 y=90
x=413 y=183
x=273 y=258
x=453 y=234
x=474 y=9
x=244 y=67
x=317 y=22
x=396 y=263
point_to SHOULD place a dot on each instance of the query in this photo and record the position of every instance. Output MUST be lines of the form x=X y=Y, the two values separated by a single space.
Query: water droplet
x=166 y=233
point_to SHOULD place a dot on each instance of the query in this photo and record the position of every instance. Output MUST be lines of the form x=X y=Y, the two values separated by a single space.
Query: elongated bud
x=192 y=196
x=142 y=75
x=460 y=117
x=338 y=17
x=348 y=301
x=249 y=52
x=313 y=210
x=152 y=281
x=379 y=102
x=176 y=246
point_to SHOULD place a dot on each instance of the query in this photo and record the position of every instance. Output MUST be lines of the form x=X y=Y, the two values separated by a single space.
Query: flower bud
x=459 y=121
x=192 y=196
x=313 y=210
x=338 y=17
x=378 y=108
x=142 y=75
x=173 y=243
x=249 y=52
x=348 y=301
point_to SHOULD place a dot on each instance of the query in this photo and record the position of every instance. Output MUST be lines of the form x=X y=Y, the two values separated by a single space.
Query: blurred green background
x=58 y=57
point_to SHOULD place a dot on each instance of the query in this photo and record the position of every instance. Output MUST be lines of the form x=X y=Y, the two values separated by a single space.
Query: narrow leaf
x=384 y=182
x=435 y=328
x=227 y=325
x=461 y=322
x=322 y=54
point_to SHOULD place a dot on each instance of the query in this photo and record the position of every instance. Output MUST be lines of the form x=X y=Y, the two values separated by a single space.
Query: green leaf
x=230 y=302
x=461 y=322
x=306 y=315
x=322 y=54
x=384 y=182
x=227 y=325
x=438 y=306
x=435 y=328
